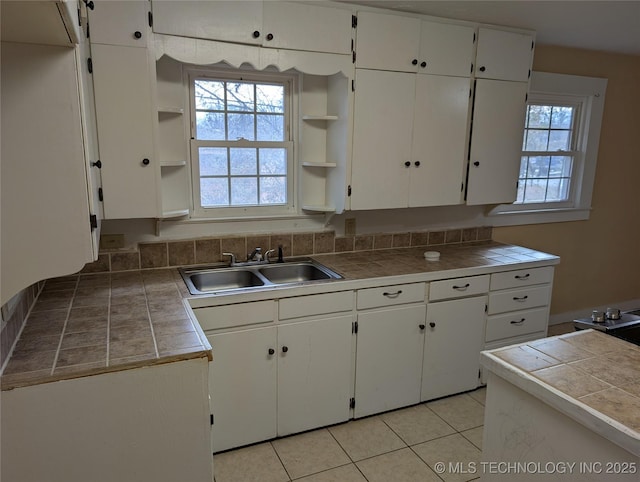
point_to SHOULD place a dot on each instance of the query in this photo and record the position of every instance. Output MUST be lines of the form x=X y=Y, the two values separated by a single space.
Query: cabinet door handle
x=432 y=324
x=524 y=276
x=423 y=65
x=269 y=36
x=417 y=163
x=256 y=34
x=285 y=349
x=271 y=351
x=461 y=288
x=392 y=295
x=97 y=164
x=137 y=34
x=422 y=327
x=407 y=163
x=414 y=62
x=520 y=298
x=145 y=161
x=476 y=163
x=482 y=69
x=513 y=322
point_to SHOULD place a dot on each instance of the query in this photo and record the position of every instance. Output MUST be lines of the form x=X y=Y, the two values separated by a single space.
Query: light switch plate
x=112 y=241
x=350 y=227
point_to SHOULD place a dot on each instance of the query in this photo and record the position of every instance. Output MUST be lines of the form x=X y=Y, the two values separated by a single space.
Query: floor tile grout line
x=64 y=327
x=273 y=447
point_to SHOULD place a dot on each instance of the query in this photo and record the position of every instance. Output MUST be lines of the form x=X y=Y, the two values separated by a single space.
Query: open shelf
x=170 y=110
x=173 y=163
x=319 y=117
x=319 y=209
x=319 y=164
x=176 y=213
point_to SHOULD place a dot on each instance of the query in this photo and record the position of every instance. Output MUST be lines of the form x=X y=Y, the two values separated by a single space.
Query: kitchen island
x=563 y=408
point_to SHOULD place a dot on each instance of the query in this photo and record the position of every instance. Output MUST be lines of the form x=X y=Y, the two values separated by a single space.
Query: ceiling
x=612 y=26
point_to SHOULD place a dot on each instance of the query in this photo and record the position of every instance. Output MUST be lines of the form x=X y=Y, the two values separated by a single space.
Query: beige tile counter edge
x=505 y=363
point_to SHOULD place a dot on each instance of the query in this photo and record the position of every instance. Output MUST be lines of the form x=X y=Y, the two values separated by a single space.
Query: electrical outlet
x=350 y=227
x=112 y=241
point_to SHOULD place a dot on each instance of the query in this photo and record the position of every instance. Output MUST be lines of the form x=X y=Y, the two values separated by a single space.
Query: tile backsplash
x=209 y=250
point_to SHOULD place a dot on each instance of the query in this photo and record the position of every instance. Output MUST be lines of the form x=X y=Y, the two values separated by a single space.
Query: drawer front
x=391 y=295
x=315 y=304
x=522 y=299
x=240 y=314
x=516 y=324
x=458 y=287
x=522 y=277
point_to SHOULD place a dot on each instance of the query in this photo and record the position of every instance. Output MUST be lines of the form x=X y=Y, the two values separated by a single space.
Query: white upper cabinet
x=496 y=142
x=120 y=23
x=504 y=55
x=46 y=22
x=284 y=25
x=406 y=44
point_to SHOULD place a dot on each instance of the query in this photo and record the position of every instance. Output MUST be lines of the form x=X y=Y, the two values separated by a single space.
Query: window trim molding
x=292 y=83
x=593 y=90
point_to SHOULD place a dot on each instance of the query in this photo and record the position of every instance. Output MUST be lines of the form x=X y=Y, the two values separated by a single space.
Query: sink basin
x=248 y=276
x=224 y=279
x=294 y=272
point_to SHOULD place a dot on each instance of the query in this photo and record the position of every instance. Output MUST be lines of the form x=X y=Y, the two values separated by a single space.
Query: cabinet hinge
x=88 y=28
x=354 y=327
x=353 y=85
x=529 y=74
x=352 y=46
x=89 y=4
x=532 y=44
x=100 y=194
x=352 y=403
x=486 y=308
x=474 y=37
x=353 y=57
x=461 y=186
x=354 y=21
x=150 y=18
x=211 y=419
x=479 y=374
x=90 y=65
x=348 y=191
x=93 y=221
x=526 y=97
x=472 y=67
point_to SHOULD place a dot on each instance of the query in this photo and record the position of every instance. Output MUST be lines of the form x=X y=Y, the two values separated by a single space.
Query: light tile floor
x=399 y=446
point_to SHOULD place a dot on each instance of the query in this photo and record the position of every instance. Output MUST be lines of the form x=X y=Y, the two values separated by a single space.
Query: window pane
x=214 y=192
x=209 y=94
x=523 y=166
x=270 y=127
x=539 y=116
x=210 y=126
x=561 y=166
x=273 y=190
x=536 y=140
x=520 y=193
x=535 y=191
x=270 y=98
x=213 y=161
x=241 y=126
x=559 y=140
x=273 y=161
x=244 y=191
x=562 y=117
x=558 y=190
x=538 y=167
x=243 y=162
x=240 y=96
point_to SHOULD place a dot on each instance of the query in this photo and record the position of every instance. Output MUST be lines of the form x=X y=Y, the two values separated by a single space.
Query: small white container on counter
x=432 y=255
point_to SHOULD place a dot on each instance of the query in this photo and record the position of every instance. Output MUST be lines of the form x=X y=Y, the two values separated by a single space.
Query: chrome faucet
x=232 y=258
x=267 y=255
x=255 y=255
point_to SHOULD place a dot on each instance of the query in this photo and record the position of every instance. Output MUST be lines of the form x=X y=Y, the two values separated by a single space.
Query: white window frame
x=291 y=83
x=589 y=92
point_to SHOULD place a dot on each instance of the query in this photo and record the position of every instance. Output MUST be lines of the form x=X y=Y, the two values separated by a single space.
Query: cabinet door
x=231 y=21
x=504 y=55
x=242 y=384
x=306 y=27
x=388 y=359
x=120 y=23
x=314 y=374
x=383 y=119
x=453 y=340
x=121 y=78
x=496 y=141
x=387 y=42
x=438 y=158
x=446 y=49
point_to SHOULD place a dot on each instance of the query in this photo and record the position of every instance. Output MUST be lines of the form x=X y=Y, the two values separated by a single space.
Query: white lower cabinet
x=388 y=359
x=453 y=340
x=242 y=384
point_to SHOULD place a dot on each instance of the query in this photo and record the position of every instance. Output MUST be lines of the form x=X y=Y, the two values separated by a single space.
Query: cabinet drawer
x=240 y=314
x=458 y=287
x=521 y=299
x=516 y=324
x=390 y=295
x=522 y=277
x=315 y=304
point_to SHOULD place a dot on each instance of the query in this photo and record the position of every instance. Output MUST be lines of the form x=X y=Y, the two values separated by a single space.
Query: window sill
x=538 y=216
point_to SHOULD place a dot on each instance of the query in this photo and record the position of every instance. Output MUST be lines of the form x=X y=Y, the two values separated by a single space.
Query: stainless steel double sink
x=251 y=276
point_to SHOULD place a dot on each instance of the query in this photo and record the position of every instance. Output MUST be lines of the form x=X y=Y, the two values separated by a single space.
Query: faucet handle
x=268 y=254
x=232 y=259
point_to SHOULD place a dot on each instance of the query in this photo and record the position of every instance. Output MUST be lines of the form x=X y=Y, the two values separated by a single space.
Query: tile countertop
x=87 y=324
x=589 y=376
